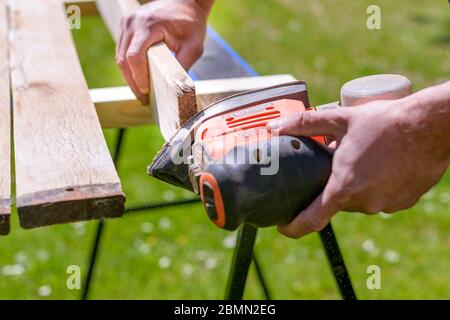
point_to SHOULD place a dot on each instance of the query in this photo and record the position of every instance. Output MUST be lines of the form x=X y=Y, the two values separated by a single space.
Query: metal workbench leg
x=337 y=263
x=261 y=278
x=100 y=225
x=240 y=264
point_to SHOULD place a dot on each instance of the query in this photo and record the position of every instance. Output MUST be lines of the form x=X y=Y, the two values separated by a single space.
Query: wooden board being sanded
x=5 y=126
x=64 y=172
x=117 y=107
x=172 y=97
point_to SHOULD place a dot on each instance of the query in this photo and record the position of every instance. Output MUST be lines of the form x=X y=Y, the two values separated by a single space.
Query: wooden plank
x=117 y=107
x=172 y=97
x=64 y=172
x=5 y=126
x=209 y=91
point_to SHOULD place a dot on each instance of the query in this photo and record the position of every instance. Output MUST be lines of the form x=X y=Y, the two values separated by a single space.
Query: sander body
x=248 y=174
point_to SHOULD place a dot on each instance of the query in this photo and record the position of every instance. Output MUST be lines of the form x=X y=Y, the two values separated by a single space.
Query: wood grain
x=5 y=126
x=64 y=172
x=172 y=97
x=117 y=107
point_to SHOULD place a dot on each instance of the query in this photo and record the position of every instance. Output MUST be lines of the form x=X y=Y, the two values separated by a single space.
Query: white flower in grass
x=165 y=223
x=290 y=259
x=444 y=198
x=320 y=63
x=144 y=248
x=188 y=270
x=297 y=286
x=319 y=254
x=201 y=255
x=211 y=263
x=384 y=215
x=164 y=262
x=169 y=195
x=370 y=247
x=147 y=227
x=79 y=228
x=229 y=242
x=13 y=270
x=392 y=256
x=294 y=25
x=21 y=257
x=429 y=207
x=429 y=195
x=45 y=291
x=186 y=194
x=43 y=255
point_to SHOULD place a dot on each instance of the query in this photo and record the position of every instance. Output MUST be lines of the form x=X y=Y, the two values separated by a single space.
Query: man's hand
x=181 y=24
x=388 y=154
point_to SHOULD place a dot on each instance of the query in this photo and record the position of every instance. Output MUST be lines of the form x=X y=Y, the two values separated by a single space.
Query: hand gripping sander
x=245 y=173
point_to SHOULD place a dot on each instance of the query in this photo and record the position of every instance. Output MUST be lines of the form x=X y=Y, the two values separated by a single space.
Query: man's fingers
x=189 y=53
x=328 y=123
x=128 y=76
x=314 y=218
x=136 y=57
x=124 y=41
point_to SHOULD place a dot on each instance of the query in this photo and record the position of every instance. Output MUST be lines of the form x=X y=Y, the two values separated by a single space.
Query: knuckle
x=340 y=116
x=153 y=20
x=313 y=224
x=127 y=20
x=132 y=56
x=349 y=186
x=302 y=119
x=341 y=195
x=121 y=62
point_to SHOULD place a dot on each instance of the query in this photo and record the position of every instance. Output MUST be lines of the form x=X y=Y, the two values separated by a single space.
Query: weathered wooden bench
x=53 y=122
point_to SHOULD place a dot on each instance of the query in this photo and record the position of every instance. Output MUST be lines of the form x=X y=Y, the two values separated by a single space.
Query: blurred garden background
x=176 y=253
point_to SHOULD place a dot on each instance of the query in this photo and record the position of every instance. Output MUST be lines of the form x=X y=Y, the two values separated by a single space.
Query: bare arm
x=389 y=153
x=181 y=24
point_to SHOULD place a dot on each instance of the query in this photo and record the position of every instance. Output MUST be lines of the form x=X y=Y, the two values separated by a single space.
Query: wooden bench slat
x=172 y=97
x=64 y=172
x=117 y=107
x=5 y=126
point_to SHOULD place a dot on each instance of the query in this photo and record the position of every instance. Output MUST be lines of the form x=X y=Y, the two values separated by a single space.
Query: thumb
x=326 y=123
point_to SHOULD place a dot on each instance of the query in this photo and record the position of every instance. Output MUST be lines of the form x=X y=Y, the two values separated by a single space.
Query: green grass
x=178 y=253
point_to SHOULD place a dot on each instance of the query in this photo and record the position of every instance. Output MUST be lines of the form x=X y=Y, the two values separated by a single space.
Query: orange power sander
x=245 y=173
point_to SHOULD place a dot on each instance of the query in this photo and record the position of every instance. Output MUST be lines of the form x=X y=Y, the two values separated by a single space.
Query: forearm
x=429 y=110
